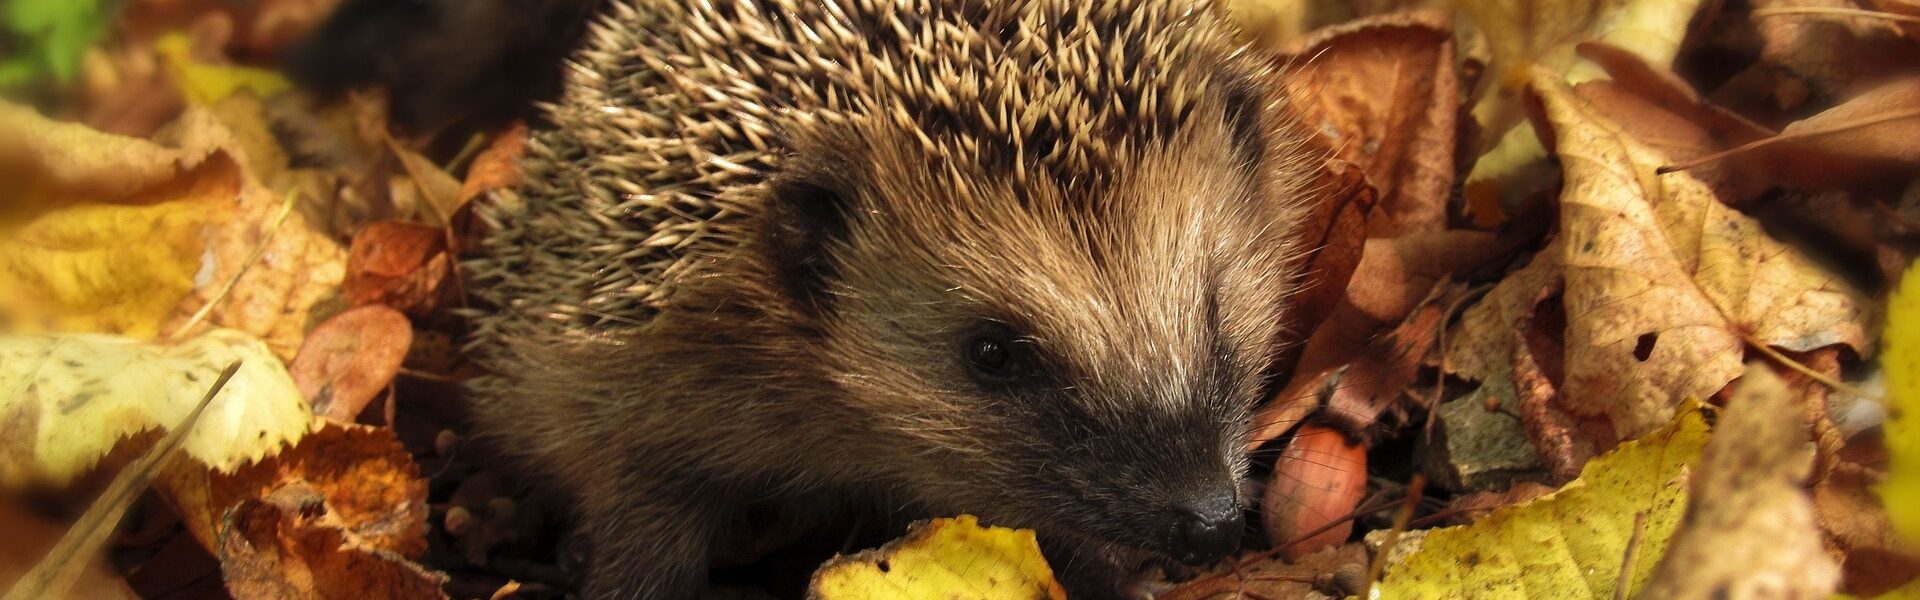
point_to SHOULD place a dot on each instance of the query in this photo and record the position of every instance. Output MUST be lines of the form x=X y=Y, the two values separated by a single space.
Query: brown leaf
x=350 y=358
x=296 y=269
x=359 y=479
x=498 y=166
x=402 y=265
x=1749 y=530
x=29 y=537
x=1834 y=54
x=1876 y=560
x=1658 y=108
x=1875 y=135
x=1337 y=231
x=1664 y=283
x=278 y=549
x=1381 y=93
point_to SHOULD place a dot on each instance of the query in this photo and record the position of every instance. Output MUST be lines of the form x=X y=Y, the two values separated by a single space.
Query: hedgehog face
x=1073 y=354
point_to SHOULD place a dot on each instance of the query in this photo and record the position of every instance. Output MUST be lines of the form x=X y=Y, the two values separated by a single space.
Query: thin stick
x=1379 y=563
x=55 y=575
x=1808 y=133
x=1789 y=362
x=286 y=208
x=1833 y=12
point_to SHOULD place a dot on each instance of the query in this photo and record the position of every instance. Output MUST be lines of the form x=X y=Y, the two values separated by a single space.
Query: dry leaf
x=274 y=549
x=1568 y=544
x=81 y=394
x=1749 y=530
x=398 y=264
x=350 y=358
x=355 y=479
x=1658 y=108
x=1873 y=136
x=276 y=295
x=1542 y=34
x=1336 y=244
x=498 y=166
x=944 y=558
x=83 y=195
x=1833 y=54
x=1663 y=283
x=1381 y=93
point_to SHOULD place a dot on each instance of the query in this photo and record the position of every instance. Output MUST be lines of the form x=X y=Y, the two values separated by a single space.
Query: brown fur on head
x=1026 y=259
x=1143 y=306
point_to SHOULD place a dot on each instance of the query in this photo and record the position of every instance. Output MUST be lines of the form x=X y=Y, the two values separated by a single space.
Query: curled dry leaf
x=347 y=360
x=1660 y=109
x=274 y=549
x=355 y=479
x=1875 y=135
x=1542 y=34
x=1317 y=481
x=498 y=166
x=200 y=216
x=402 y=265
x=1663 y=283
x=1336 y=245
x=1381 y=93
x=81 y=394
x=1834 y=54
x=281 y=272
x=1749 y=528
x=78 y=196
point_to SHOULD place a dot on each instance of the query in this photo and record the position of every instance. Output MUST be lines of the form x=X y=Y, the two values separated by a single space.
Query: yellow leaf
x=1750 y=528
x=1527 y=34
x=1567 y=544
x=945 y=558
x=66 y=400
x=1901 y=490
x=205 y=84
x=109 y=234
x=65 y=260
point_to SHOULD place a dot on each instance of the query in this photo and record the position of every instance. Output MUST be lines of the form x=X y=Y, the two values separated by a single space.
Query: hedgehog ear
x=803 y=221
x=1246 y=119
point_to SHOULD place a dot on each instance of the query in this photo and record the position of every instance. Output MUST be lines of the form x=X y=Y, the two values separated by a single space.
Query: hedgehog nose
x=1207 y=531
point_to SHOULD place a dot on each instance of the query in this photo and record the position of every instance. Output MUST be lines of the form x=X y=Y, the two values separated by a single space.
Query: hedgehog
x=1022 y=259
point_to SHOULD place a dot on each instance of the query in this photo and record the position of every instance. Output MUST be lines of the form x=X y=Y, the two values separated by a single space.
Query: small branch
x=55 y=575
x=1789 y=362
x=1824 y=11
x=1379 y=563
x=286 y=208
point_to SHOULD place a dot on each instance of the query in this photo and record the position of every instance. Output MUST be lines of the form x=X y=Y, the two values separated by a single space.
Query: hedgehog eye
x=996 y=354
x=989 y=354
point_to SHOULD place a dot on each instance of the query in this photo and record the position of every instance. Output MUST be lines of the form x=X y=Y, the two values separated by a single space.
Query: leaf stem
x=1828 y=11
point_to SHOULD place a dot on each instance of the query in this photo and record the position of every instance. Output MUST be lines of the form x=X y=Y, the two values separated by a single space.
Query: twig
x=1832 y=12
x=1789 y=362
x=260 y=249
x=55 y=575
x=1796 y=135
x=1379 y=563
